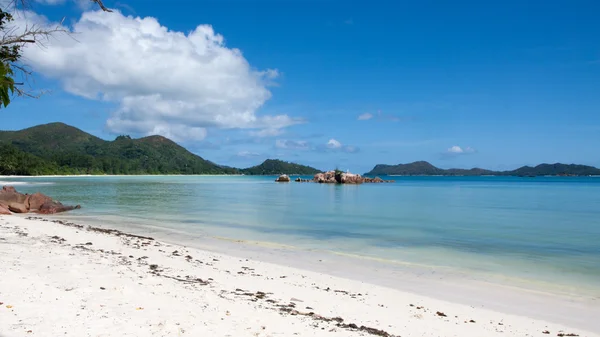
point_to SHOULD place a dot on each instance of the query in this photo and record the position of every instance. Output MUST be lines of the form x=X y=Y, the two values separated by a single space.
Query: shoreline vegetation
x=119 y=283
x=58 y=149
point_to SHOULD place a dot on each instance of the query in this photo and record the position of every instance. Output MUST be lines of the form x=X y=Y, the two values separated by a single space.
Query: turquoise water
x=544 y=230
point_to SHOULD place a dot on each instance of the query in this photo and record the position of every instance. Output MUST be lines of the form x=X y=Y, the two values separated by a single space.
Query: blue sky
x=336 y=83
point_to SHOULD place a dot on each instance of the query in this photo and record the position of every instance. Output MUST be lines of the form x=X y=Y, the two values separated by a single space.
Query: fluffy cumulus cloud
x=334 y=144
x=457 y=150
x=163 y=82
x=365 y=117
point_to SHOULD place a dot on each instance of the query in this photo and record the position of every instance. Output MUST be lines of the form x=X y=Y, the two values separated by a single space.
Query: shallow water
x=539 y=231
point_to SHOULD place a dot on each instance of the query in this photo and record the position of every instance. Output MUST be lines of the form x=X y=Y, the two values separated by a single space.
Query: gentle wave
x=23 y=183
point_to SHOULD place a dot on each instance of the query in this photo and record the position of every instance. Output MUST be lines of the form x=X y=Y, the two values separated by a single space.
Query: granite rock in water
x=333 y=177
x=336 y=177
x=11 y=200
x=284 y=178
x=327 y=177
x=53 y=207
x=36 y=200
x=377 y=180
x=350 y=178
x=8 y=195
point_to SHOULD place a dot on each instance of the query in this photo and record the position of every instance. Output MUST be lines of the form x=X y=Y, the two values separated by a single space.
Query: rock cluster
x=12 y=201
x=376 y=180
x=326 y=177
x=284 y=178
x=337 y=177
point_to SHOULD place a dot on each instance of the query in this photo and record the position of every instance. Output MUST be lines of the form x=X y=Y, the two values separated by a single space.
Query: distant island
x=61 y=149
x=423 y=168
x=275 y=167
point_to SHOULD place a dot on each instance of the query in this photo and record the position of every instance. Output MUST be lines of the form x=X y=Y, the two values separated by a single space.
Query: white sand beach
x=60 y=279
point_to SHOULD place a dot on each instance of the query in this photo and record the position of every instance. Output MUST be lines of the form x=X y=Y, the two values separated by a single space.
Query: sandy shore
x=65 y=279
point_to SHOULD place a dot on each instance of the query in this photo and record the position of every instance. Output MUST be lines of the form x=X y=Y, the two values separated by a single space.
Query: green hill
x=416 y=168
x=276 y=167
x=50 y=138
x=425 y=168
x=57 y=148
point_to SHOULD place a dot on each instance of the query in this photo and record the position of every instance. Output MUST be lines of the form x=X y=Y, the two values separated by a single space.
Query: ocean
x=541 y=232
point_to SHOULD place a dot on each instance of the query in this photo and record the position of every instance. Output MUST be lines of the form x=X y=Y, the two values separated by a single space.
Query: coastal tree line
x=16 y=162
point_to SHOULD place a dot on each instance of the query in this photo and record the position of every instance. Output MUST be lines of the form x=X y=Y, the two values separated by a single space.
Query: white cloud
x=163 y=81
x=381 y=117
x=457 y=150
x=366 y=116
x=334 y=144
x=85 y=4
x=292 y=144
x=266 y=133
x=247 y=154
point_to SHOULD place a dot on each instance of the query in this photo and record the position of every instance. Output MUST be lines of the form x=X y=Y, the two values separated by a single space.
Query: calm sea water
x=531 y=229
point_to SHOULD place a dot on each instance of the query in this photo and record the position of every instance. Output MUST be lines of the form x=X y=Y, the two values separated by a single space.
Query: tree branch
x=31 y=35
x=13 y=39
x=99 y=2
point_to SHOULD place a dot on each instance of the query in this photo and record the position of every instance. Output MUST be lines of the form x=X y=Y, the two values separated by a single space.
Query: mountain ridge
x=63 y=149
x=59 y=148
x=423 y=168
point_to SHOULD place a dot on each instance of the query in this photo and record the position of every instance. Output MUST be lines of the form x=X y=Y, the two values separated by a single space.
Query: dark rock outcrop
x=53 y=207
x=338 y=177
x=13 y=201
